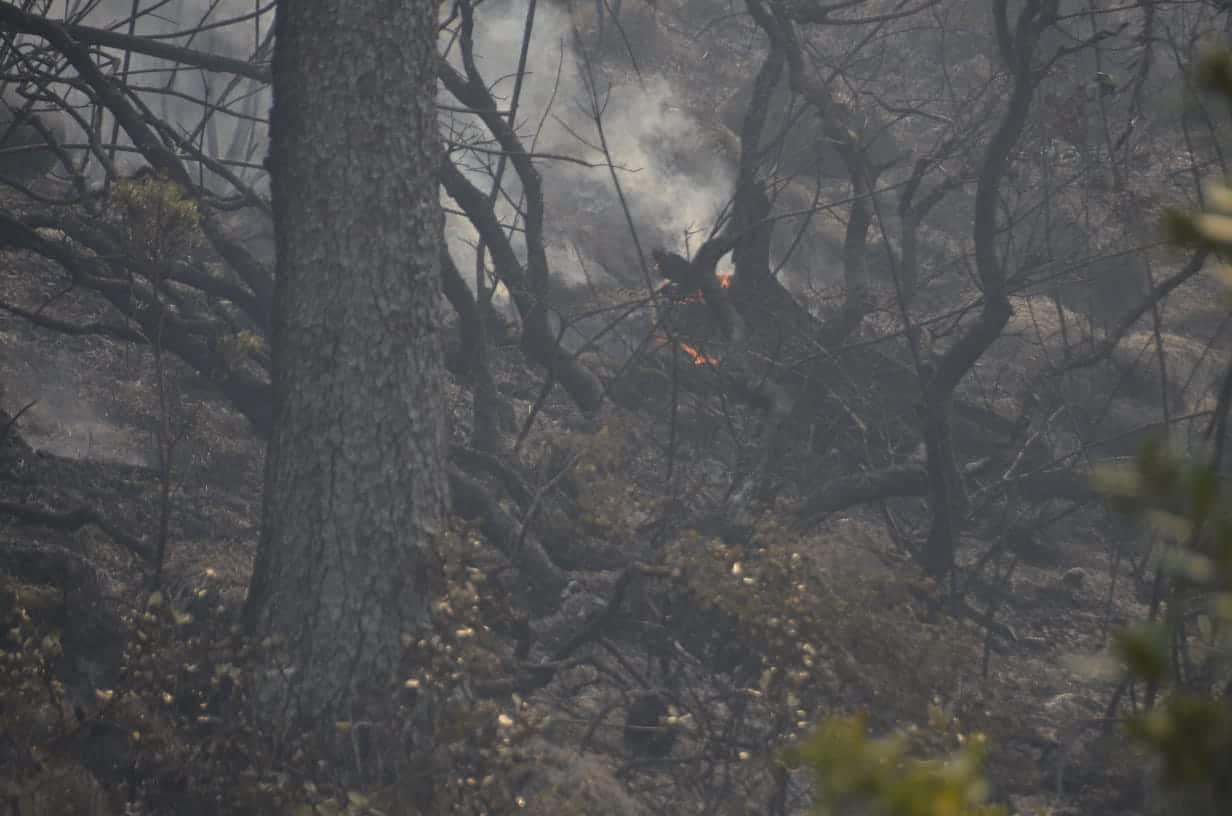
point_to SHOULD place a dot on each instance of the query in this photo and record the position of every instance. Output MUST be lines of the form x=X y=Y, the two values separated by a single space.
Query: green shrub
x=1189 y=731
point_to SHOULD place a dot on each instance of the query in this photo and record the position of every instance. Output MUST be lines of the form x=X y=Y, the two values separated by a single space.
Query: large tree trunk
x=355 y=478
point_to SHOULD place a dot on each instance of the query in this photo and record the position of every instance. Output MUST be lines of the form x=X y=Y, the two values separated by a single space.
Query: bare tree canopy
x=626 y=385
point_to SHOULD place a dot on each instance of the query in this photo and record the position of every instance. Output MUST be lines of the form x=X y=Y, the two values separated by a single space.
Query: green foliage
x=850 y=768
x=182 y=712
x=1186 y=502
x=159 y=220
x=609 y=503
x=804 y=644
x=1190 y=731
x=236 y=349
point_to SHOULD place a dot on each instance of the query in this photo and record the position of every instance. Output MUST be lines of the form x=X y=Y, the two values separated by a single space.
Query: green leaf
x=1223 y=276
x=1214 y=227
x=1221 y=607
x=1156 y=465
x=1180 y=228
x=1116 y=481
x=1218 y=196
x=1144 y=651
x=1168 y=524
x=1215 y=70
x=1189 y=565
x=1204 y=491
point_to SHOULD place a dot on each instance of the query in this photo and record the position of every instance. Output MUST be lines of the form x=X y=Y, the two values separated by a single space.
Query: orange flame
x=697 y=357
x=691 y=351
x=724 y=279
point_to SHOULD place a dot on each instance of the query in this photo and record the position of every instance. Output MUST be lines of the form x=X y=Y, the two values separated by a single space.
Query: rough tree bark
x=355 y=476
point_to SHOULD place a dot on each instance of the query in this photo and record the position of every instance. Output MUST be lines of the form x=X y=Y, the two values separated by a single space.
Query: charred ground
x=718 y=507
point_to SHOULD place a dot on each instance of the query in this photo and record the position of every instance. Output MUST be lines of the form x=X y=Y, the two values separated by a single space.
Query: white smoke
x=673 y=185
x=219 y=114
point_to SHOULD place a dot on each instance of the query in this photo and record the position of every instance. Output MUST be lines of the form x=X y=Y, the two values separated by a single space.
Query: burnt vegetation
x=783 y=340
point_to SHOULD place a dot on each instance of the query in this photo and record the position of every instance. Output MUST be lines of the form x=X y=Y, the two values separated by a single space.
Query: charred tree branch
x=473 y=501
x=110 y=94
x=74 y=520
x=1158 y=292
x=946 y=493
x=126 y=333
x=538 y=341
x=250 y=395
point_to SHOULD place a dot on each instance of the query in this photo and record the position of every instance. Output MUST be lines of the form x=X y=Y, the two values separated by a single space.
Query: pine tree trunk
x=355 y=481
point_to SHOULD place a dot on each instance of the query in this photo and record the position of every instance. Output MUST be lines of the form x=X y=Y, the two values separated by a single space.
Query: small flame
x=725 y=280
x=697 y=357
x=691 y=351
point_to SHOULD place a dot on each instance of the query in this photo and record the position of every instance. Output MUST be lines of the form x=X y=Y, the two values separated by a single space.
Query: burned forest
x=615 y=408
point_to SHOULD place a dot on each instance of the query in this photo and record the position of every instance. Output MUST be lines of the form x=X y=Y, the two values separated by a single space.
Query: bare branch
x=73 y=520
